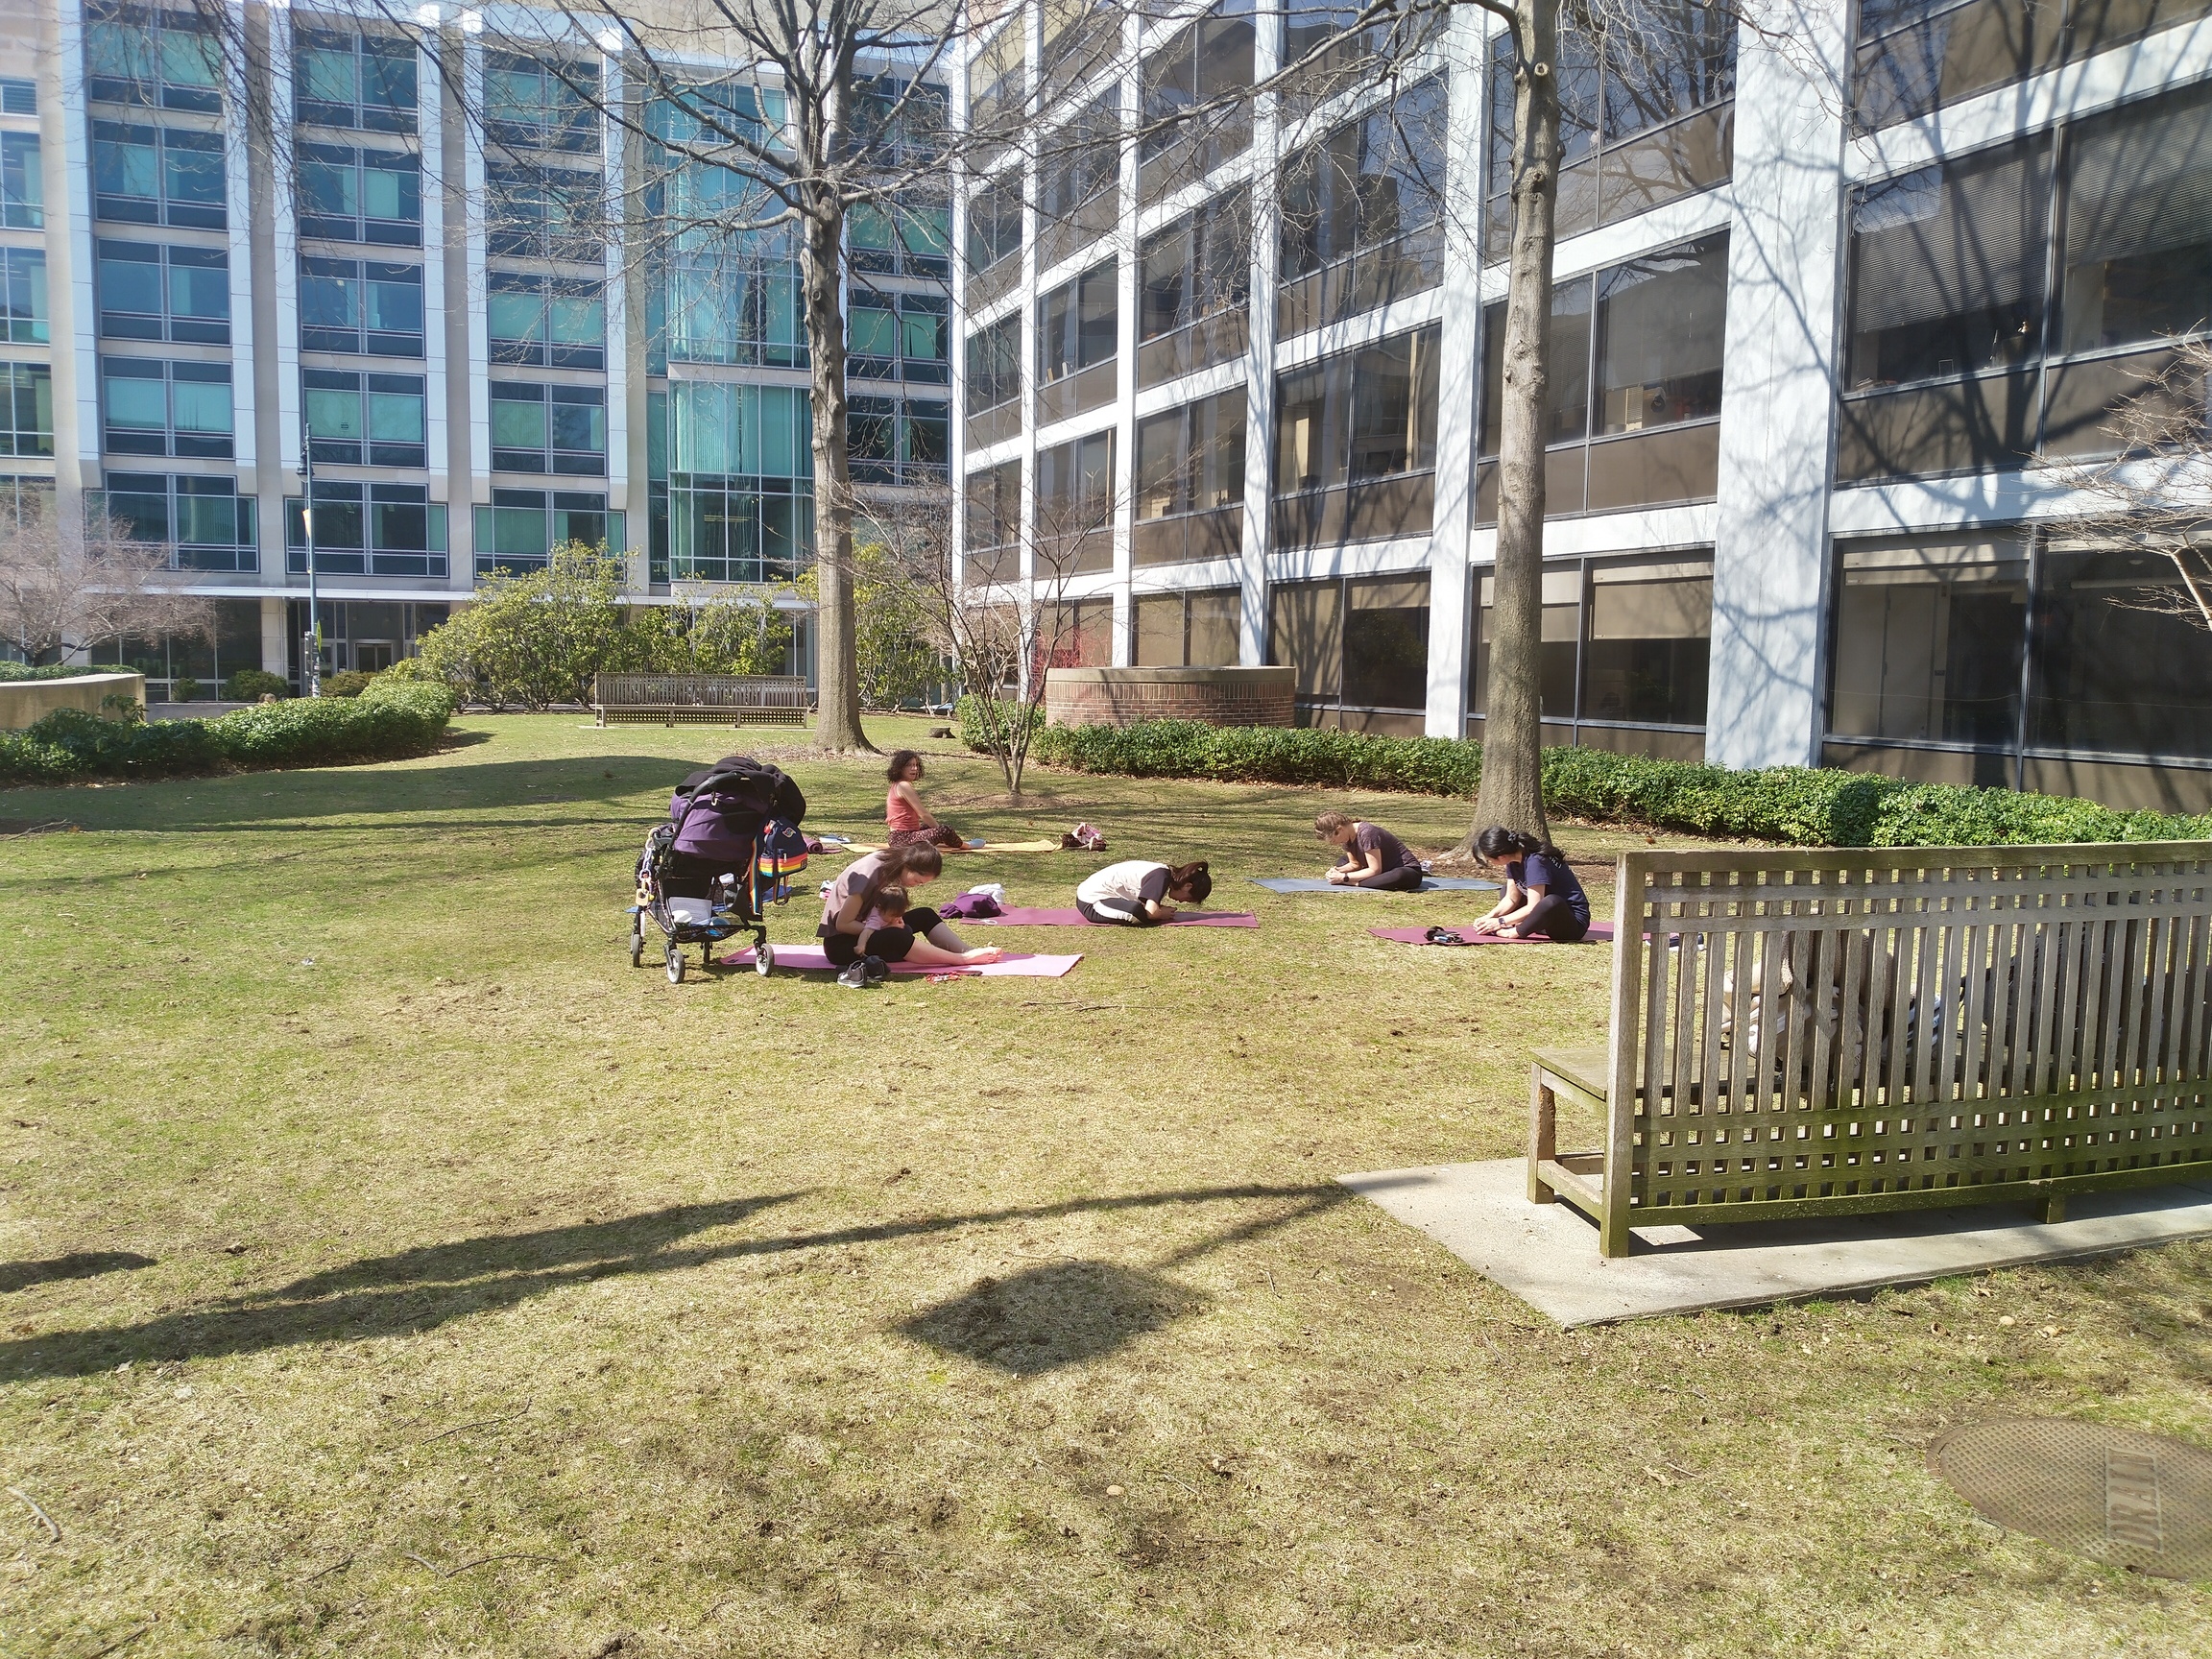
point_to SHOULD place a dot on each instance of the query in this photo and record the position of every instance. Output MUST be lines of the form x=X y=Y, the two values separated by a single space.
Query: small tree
x=536 y=639
x=891 y=623
x=710 y=633
x=63 y=589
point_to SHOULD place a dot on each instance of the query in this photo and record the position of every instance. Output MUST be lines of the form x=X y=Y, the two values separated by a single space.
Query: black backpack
x=741 y=787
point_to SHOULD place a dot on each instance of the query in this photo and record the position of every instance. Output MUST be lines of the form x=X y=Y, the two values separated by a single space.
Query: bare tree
x=2153 y=493
x=65 y=589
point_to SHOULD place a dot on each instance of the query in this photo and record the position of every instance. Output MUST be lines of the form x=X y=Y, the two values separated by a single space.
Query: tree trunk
x=837 y=661
x=1512 y=792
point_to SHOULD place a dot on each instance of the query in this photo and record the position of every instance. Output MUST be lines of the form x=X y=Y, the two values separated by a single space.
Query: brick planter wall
x=1217 y=696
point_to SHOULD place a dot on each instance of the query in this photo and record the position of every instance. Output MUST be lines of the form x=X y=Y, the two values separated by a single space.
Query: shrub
x=350 y=684
x=252 y=685
x=14 y=673
x=71 y=743
x=186 y=689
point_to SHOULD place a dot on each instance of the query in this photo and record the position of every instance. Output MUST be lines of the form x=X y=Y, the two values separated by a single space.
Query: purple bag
x=971 y=907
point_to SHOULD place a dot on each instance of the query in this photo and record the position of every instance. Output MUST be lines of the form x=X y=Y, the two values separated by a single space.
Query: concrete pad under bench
x=1547 y=1254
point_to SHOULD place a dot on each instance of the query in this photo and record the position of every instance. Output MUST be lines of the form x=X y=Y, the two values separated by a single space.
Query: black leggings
x=1405 y=878
x=1554 y=919
x=890 y=943
x=1118 y=913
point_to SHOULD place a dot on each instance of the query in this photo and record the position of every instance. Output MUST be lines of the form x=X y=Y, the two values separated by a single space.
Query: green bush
x=184 y=690
x=385 y=722
x=14 y=673
x=350 y=684
x=252 y=685
x=1805 y=806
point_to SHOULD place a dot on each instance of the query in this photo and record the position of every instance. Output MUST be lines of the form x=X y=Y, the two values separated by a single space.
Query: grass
x=386 y=1267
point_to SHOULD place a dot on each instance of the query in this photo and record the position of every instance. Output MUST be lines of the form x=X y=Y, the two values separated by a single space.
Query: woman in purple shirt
x=1542 y=897
x=1372 y=856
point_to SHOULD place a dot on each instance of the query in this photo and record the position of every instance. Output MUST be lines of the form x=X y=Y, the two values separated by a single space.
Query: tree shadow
x=420 y=1290
x=77 y=1264
x=1052 y=1317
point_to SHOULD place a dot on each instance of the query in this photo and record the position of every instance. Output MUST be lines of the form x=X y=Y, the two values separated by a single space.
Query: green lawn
x=447 y=1287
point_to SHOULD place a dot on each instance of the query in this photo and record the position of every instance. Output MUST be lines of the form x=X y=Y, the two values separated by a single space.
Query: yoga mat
x=1600 y=933
x=972 y=847
x=1017 y=916
x=810 y=959
x=1314 y=884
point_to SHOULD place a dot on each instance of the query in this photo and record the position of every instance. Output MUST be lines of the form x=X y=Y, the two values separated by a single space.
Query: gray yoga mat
x=1314 y=884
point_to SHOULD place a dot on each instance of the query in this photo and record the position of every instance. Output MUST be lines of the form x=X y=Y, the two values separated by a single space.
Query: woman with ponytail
x=1542 y=898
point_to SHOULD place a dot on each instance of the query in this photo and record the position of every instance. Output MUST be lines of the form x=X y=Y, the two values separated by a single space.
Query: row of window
x=206 y=522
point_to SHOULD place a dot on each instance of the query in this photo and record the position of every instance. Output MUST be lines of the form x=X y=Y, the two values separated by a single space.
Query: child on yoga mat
x=1542 y=898
x=912 y=824
x=920 y=935
x=1137 y=893
x=1372 y=856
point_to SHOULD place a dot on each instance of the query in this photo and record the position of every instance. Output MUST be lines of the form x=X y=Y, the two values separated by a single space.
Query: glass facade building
x=1815 y=353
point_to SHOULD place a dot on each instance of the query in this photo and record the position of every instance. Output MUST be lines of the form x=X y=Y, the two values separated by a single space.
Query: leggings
x=1116 y=913
x=929 y=835
x=1405 y=878
x=1554 y=919
x=890 y=943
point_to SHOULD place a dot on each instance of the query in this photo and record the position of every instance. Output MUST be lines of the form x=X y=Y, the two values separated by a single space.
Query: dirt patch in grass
x=389 y=1267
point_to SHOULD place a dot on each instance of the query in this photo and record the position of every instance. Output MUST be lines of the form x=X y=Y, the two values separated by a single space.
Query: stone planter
x=1217 y=696
x=27 y=702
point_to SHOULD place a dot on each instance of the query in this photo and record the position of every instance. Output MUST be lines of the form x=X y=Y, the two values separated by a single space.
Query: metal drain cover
x=2126 y=1499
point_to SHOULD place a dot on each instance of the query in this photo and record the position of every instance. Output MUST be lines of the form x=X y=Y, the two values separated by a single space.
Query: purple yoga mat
x=1019 y=916
x=1013 y=965
x=1600 y=933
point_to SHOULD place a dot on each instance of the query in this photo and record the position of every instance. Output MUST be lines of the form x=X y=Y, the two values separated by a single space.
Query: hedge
x=384 y=723
x=16 y=673
x=1804 y=806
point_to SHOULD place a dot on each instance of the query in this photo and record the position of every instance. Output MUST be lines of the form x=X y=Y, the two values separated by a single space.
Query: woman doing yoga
x=1542 y=898
x=918 y=935
x=1137 y=893
x=910 y=822
x=1372 y=856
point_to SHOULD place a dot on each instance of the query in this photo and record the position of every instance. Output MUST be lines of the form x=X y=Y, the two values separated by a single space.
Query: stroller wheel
x=636 y=945
x=675 y=966
x=764 y=959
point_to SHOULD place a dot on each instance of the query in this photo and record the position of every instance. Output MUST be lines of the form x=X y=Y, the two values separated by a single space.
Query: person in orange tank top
x=911 y=821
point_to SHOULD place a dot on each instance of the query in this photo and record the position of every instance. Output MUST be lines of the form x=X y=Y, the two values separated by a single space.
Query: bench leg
x=1612 y=1232
x=2049 y=1208
x=1543 y=1138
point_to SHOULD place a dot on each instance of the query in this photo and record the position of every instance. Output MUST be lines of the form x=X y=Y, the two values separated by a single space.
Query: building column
x=276 y=634
x=1122 y=634
x=1260 y=363
x=1778 y=401
x=1460 y=353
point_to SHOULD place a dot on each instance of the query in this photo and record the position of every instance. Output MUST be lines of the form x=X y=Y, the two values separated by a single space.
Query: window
x=359 y=80
x=1625 y=644
x=366 y=419
x=1081 y=168
x=1075 y=506
x=518 y=531
x=1361 y=647
x=1190 y=482
x=1197 y=629
x=1077 y=324
x=22 y=184
x=1194 y=118
x=740 y=489
x=995 y=364
x=1073 y=634
x=530 y=103
x=1929 y=641
x=152 y=292
x=899 y=121
x=557 y=322
x=909 y=240
x=539 y=428
x=734 y=300
x=1640 y=125
x=542 y=212
x=1356 y=444
x=368 y=530
x=1193 y=282
x=1325 y=53
x=23 y=314
x=1960 y=359
x=1081 y=37
x=25 y=500
x=997 y=77
x=157 y=408
x=363 y=307
x=1634 y=349
x=26 y=409
x=350 y=195
x=205 y=522
x=897 y=336
x=137 y=54
x=992 y=524
x=995 y=223
x=1366 y=184
x=156 y=176
x=2119 y=664
x=891 y=442
x=18 y=97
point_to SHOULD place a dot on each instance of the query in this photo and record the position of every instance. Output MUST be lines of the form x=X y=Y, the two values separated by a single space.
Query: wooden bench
x=1799 y=1034
x=699 y=700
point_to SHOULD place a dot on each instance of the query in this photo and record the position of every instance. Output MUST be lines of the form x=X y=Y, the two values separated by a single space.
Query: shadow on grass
x=1052 y=1317
x=420 y=1290
x=78 y=1264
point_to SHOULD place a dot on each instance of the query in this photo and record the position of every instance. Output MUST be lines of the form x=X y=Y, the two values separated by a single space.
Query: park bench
x=699 y=699
x=1804 y=1034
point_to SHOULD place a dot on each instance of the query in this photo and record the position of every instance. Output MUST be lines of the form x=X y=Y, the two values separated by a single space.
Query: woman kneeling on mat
x=918 y=935
x=910 y=822
x=1542 y=898
x=1137 y=893
x=1373 y=856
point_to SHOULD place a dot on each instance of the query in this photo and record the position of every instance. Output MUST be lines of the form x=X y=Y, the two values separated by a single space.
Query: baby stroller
x=729 y=848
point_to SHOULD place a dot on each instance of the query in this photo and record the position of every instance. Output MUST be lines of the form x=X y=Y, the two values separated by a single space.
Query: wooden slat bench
x=699 y=700
x=1799 y=1034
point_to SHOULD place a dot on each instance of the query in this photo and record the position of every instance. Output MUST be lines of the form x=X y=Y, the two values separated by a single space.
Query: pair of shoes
x=1443 y=936
x=866 y=971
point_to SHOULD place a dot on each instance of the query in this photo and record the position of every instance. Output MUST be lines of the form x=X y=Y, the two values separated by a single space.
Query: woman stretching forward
x=920 y=935
x=1542 y=898
x=1138 y=893
x=1372 y=856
